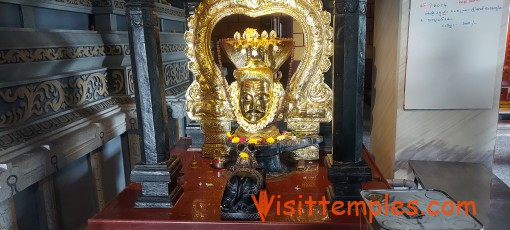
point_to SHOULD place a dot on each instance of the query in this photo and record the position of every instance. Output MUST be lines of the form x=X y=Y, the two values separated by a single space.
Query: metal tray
x=417 y=217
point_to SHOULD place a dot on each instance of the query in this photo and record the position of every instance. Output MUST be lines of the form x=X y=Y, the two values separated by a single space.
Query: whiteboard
x=452 y=53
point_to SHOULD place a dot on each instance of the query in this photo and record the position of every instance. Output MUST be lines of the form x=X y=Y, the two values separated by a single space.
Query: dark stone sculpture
x=269 y=156
x=249 y=175
x=246 y=181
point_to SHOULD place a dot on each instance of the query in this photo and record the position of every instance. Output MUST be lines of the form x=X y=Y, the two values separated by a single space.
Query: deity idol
x=256 y=97
x=257 y=93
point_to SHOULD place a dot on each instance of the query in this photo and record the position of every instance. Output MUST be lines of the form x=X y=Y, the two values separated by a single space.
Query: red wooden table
x=199 y=206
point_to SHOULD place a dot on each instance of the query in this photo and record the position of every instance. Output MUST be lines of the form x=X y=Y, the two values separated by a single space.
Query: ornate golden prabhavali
x=308 y=100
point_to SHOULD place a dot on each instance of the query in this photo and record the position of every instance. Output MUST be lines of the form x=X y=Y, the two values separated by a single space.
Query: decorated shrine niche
x=256 y=100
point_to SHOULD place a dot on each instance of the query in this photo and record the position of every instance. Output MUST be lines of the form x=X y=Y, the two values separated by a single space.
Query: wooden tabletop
x=199 y=206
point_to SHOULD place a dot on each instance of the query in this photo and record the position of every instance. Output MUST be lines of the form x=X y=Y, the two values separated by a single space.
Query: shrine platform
x=199 y=206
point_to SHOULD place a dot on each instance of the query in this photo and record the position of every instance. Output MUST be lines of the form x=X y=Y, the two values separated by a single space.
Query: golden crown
x=257 y=50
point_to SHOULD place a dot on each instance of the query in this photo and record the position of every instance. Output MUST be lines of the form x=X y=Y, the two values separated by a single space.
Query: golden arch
x=309 y=100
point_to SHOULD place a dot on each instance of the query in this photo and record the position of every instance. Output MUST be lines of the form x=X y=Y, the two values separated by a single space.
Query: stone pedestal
x=159 y=184
x=346 y=179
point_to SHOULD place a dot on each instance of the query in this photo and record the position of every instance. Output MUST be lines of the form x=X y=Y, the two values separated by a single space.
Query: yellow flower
x=253 y=141
x=235 y=140
x=270 y=140
x=229 y=134
x=243 y=155
x=280 y=138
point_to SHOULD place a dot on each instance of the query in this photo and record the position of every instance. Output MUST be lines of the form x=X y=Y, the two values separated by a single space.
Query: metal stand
x=156 y=172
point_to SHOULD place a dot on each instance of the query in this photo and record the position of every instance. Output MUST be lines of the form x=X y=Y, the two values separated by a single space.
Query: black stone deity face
x=255 y=99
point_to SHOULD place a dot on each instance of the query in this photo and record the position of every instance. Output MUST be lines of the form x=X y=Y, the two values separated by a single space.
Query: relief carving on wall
x=102 y=3
x=131 y=84
x=120 y=81
x=175 y=12
x=24 y=102
x=116 y=81
x=176 y=73
x=15 y=56
x=119 y=4
x=166 y=48
x=87 y=3
x=23 y=135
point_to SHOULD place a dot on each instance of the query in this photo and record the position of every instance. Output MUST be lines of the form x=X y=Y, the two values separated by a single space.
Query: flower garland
x=286 y=135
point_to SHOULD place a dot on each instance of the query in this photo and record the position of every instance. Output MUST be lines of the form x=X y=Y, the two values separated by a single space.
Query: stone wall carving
x=160 y=8
x=25 y=102
x=120 y=81
x=174 y=12
x=15 y=56
x=166 y=48
x=25 y=134
x=119 y=4
x=102 y=3
x=176 y=73
x=87 y=3
x=73 y=107
x=116 y=81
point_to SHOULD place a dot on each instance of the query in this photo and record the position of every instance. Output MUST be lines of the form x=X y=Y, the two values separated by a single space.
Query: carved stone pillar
x=346 y=169
x=348 y=79
x=48 y=202
x=157 y=177
x=134 y=148
x=7 y=214
x=96 y=163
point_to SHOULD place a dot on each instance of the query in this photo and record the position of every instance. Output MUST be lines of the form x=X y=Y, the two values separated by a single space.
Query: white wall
x=437 y=135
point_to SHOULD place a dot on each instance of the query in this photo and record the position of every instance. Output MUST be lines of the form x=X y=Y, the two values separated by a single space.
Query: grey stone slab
x=468 y=182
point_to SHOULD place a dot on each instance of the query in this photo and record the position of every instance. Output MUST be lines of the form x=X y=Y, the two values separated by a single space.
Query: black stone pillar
x=349 y=74
x=346 y=169
x=157 y=172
